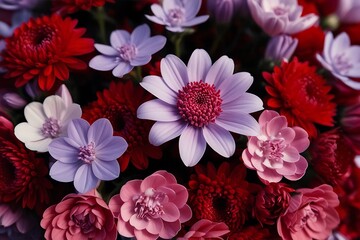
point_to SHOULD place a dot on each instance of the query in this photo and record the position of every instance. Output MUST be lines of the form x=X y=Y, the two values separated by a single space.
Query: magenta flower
x=280 y=16
x=280 y=47
x=274 y=153
x=206 y=229
x=311 y=214
x=177 y=14
x=201 y=103
x=151 y=208
x=341 y=59
x=127 y=50
x=348 y=11
x=87 y=155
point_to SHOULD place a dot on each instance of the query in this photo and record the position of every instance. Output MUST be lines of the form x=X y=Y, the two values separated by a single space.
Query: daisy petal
x=157 y=110
x=219 y=139
x=235 y=86
x=101 y=130
x=139 y=34
x=192 y=146
x=77 y=131
x=111 y=149
x=119 y=38
x=198 y=65
x=162 y=132
x=64 y=172
x=105 y=170
x=239 y=123
x=151 y=45
x=54 y=107
x=106 y=50
x=103 y=63
x=174 y=72
x=121 y=69
x=85 y=179
x=25 y=132
x=34 y=114
x=157 y=87
x=222 y=69
x=62 y=151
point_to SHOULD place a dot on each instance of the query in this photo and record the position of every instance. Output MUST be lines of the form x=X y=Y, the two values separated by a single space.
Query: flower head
x=332 y=156
x=301 y=95
x=271 y=202
x=201 y=103
x=119 y=104
x=274 y=153
x=280 y=16
x=151 y=208
x=71 y=6
x=87 y=155
x=311 y=214
x=177 y=14
x=341 y=59
x=45 y=48
x=22 y=175
x=45 y=122
x=127 y=50
x=205 y=229
x=220 y=195
x=79 y=216
x=280 y=47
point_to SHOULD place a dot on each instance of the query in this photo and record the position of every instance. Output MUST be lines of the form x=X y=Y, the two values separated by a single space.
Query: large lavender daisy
x=201 y=103
x=127 y=50
x=87 y=155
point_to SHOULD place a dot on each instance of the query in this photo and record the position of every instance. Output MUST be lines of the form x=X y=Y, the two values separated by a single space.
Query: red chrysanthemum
x=22 y=175
x=71 y=6
x=252 y=233
x=220 y=195
x=301 y=95
x=331 y=156
x=45 y=49
x=119 y=104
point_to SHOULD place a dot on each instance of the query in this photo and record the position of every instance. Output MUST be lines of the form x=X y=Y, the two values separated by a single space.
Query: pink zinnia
x=200 y=102
x=151 y=208
x=274 y=153
x=311 y=214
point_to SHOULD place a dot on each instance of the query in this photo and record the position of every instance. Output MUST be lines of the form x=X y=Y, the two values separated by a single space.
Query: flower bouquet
x=179 y=119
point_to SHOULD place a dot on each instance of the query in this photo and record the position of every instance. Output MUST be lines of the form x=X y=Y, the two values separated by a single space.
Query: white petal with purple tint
x=192 y=146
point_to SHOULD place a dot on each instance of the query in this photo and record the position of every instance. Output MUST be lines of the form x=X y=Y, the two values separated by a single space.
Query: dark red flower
x=350 y=123
x=301 y=95
x=311 y=41
x=252 y=233
x=119 y=104
x=271 y=202
x=45 y=49
x=353 y=30
x=220 y=195
x=331 y=156
x=22 y=174
x=71 y=6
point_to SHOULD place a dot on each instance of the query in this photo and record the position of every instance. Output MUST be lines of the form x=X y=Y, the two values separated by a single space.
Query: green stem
x=101 y=16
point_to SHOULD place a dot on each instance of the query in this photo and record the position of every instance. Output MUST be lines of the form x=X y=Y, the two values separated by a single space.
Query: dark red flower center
x=7 y=172
x=39 y=36
x=199 y=103
x=84 y=221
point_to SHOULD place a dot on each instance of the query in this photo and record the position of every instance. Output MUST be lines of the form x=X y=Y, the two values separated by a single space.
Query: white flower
x=45 y=122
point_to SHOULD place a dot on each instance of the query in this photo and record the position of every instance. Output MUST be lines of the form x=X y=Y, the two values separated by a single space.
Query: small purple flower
x=201 y=103
x=280 y=47
x=224 y=10
x=280 y=16
x=18 y=4
x=87 y=155
x=348 y=11
x=341 y=59
x=127 y=50
x=177 y=14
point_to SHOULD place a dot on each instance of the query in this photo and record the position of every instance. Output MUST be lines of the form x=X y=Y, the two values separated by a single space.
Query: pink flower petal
x=138 y=223
x=153 y=181
x=131 y=189
x=171 y=212
x=127 y=211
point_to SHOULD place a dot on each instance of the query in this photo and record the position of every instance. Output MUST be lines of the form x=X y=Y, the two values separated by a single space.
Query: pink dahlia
x=151 y=208
x=200 y=102
x=79 y=216
x=274 y=153
x=206 y=229
x=311 y=214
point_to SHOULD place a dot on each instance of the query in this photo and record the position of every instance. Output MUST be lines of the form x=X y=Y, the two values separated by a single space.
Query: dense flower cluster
x=180 y=119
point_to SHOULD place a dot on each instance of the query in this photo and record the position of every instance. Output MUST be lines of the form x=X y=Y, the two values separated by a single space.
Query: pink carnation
x=311 y=214
x=151 y=208
x=79 y=216
x=274 y=153
x=205 y=229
